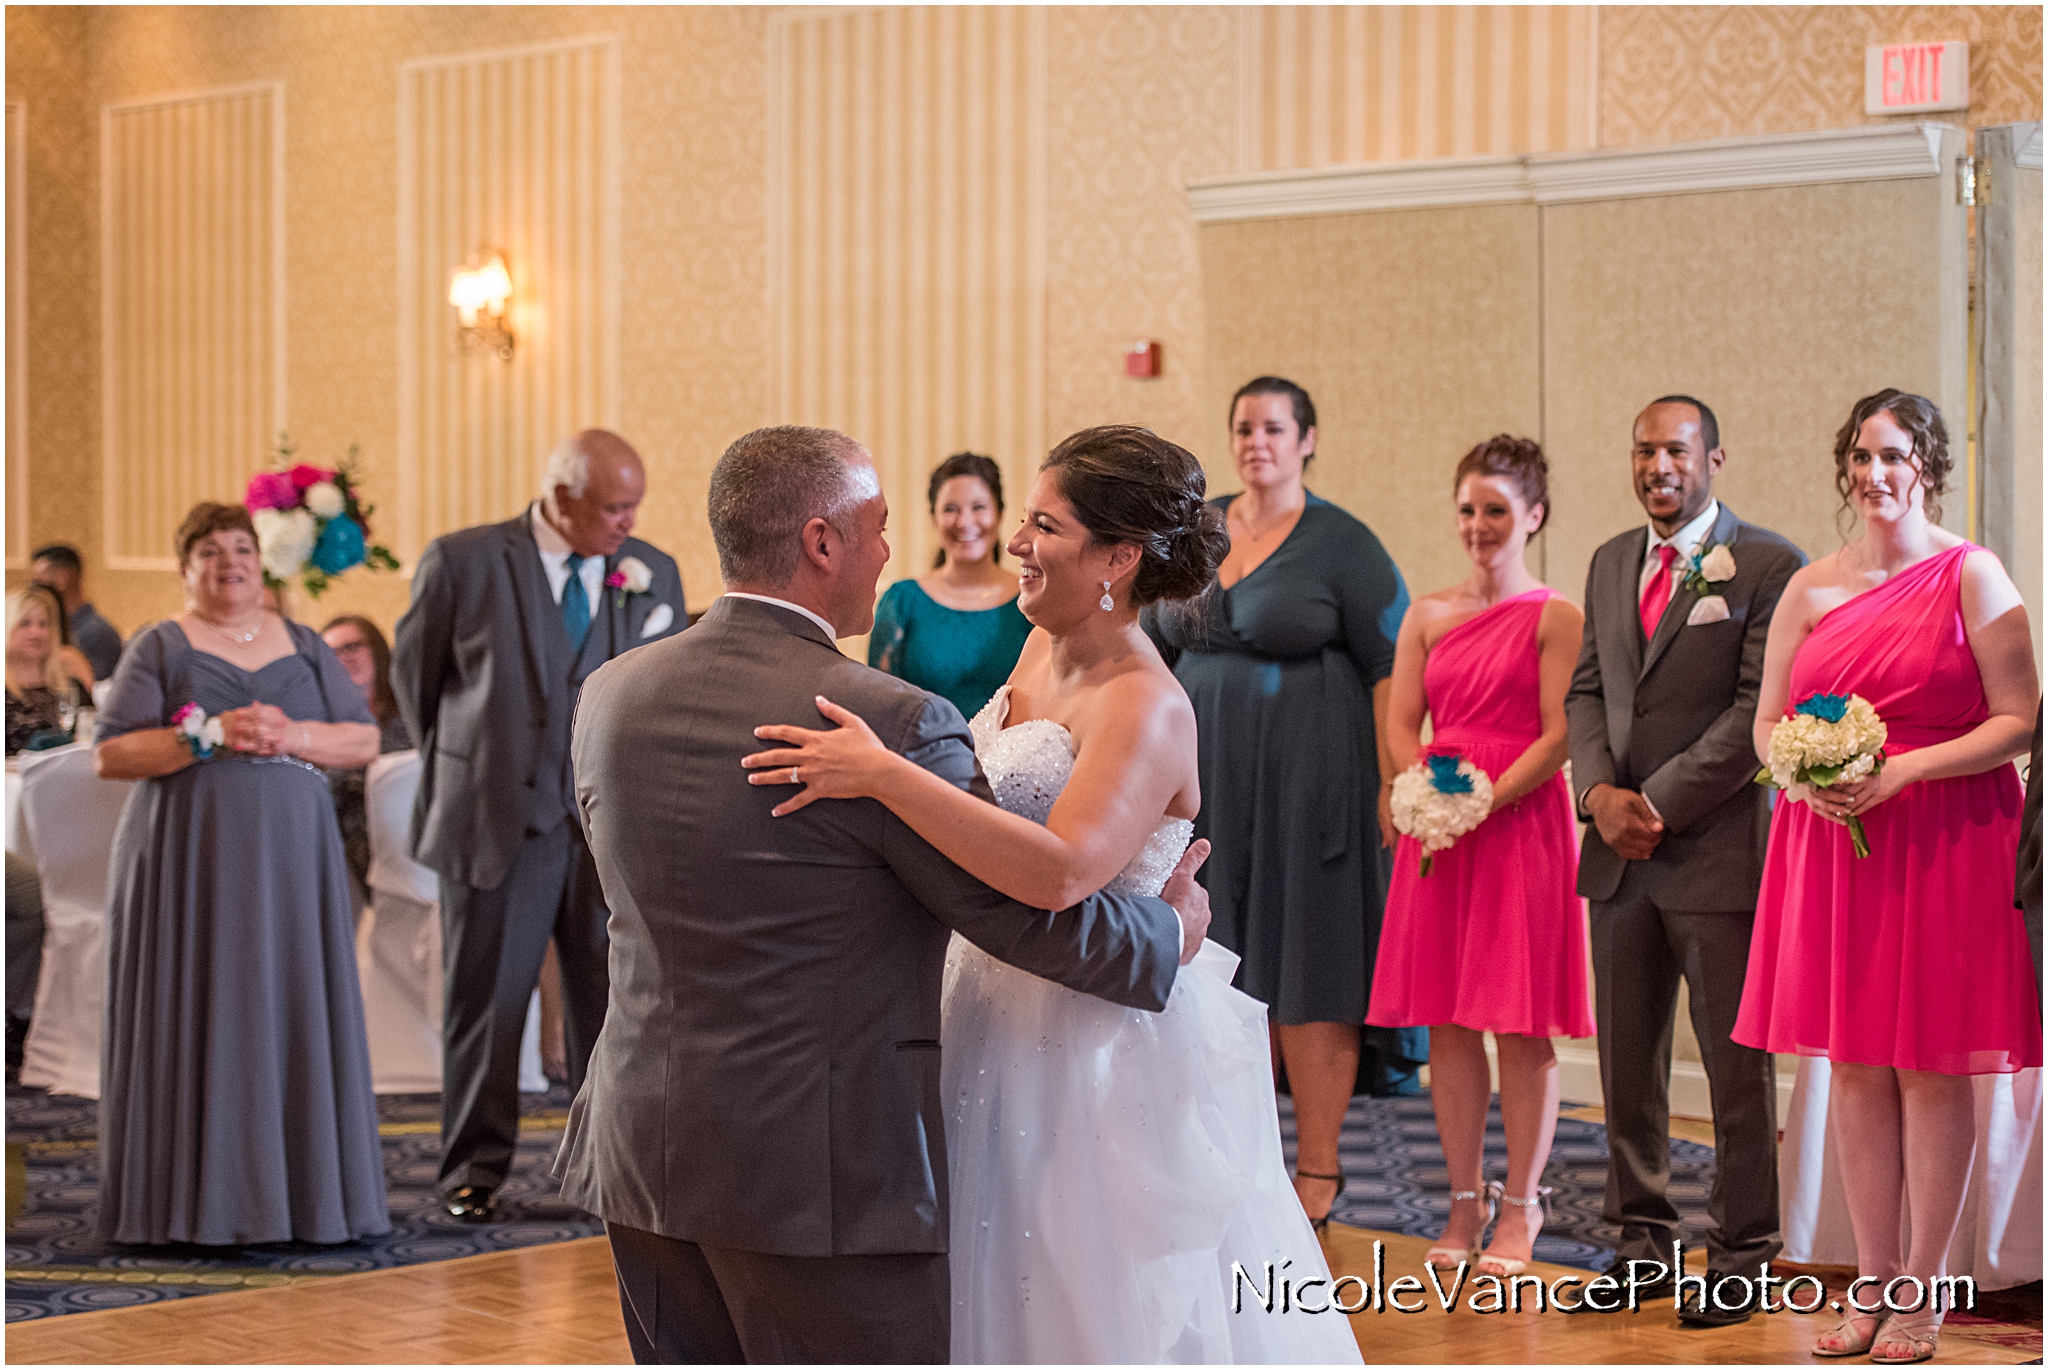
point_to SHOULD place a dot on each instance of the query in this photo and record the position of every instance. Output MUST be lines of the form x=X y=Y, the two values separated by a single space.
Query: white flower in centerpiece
x=287 y=536
x=1712 y=609
x=1717 y=565
x=635 y=578
x=212 y=733
x=325 y=500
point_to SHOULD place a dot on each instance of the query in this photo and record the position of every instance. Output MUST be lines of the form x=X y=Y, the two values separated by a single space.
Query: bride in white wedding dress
x=1111 y=1169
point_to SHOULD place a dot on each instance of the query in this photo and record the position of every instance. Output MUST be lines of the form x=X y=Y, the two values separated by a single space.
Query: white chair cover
x=1998 y=1241
x=398 y=947
x=68 y=816
x=10 y=822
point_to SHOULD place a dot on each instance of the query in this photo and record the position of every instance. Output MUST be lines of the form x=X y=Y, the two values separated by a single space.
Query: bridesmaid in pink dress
x=1494 y=938
x=1909 y=969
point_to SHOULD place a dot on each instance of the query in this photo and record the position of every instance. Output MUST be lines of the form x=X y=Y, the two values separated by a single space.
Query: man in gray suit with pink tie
x=761 y=1127
x=1660 y=711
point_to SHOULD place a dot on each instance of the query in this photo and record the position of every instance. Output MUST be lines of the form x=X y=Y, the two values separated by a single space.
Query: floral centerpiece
x=1827 y=740
x=1438 y=800
x=311 y=522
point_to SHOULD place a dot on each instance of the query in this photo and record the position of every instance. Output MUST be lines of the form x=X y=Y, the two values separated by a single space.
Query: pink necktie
x=1657 y=594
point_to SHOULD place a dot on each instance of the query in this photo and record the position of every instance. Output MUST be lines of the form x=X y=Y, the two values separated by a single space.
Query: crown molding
x=1880 y=152
x=1350 y=189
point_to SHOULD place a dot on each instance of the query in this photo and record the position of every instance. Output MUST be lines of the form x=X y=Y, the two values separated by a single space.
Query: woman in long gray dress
x=235 y=1101
x=1288 y=663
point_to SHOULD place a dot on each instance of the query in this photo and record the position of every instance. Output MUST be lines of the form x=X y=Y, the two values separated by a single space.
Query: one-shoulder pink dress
x=1913 y=956
x=1494 y=937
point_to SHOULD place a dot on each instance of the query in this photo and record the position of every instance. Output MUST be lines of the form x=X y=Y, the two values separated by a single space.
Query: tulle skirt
x=1110 y=1166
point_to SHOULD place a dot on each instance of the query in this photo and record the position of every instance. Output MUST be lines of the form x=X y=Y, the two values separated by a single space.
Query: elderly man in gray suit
x=507 y=621
x=1659 y=711
x=761 y=1128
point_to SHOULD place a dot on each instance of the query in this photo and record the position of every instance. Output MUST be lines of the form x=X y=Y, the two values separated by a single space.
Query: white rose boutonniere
x=632 y=577
x=1711 y=565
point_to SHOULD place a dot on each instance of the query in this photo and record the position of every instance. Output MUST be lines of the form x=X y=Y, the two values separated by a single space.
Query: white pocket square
x=1712 y=609
x=663 y=616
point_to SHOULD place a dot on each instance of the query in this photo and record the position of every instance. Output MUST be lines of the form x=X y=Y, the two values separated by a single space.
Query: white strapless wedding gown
x=1110 y=1165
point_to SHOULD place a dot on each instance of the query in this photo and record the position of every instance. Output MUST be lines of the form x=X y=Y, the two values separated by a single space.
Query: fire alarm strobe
x=1141 y=358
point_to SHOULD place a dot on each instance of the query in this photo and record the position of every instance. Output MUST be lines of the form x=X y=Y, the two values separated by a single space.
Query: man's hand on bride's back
x=843 y=762
x=1189 y=899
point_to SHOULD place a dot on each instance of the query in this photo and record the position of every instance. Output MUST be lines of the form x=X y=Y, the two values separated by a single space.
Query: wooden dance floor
x=558 y=1304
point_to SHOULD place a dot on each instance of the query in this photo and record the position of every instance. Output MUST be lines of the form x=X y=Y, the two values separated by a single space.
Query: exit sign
x=1911 y=78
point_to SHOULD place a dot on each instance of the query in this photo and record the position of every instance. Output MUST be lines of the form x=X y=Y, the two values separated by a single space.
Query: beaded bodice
x=1027 y=766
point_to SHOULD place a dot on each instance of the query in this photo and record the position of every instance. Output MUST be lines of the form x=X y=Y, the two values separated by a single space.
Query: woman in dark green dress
x=956 y=631
x=1288 y=663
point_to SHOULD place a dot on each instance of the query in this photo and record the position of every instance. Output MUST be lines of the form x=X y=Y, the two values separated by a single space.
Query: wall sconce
x=479 y=293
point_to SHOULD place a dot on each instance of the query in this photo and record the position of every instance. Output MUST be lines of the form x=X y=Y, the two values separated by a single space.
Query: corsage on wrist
x=200 y=733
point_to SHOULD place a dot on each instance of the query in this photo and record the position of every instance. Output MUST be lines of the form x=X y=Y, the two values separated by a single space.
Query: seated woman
x=46 y=681
x=235 y=1101
x=362 y=651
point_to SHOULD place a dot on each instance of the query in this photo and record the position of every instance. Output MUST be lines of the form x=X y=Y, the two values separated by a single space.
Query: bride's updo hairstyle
x=1128 y=484
x=1514 y=459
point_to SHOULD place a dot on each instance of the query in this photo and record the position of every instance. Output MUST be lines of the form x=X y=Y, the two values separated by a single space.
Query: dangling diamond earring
x=1107 y=602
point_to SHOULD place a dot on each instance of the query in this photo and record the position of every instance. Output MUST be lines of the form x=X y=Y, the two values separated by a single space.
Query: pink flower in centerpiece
x=271 y=490
x=303 y=475
x=616 y=580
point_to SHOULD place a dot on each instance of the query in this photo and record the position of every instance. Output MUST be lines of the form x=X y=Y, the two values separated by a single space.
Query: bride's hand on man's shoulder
x=842 y=762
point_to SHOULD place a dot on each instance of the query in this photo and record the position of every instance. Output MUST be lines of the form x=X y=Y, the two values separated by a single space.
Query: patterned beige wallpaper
x=1388 y=83
x=1672 y=74
x=194 y=306
x=909 y=240
x=1090 y=120
x=1141 y=100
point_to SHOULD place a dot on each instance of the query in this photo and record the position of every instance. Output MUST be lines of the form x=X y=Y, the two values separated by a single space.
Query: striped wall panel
x=192 y=300
x=17 y=335
x=1328 y=84
x=908 y=237
x=516 y=150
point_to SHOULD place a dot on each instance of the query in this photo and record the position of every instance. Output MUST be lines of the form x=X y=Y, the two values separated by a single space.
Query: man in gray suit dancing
x=761 y=1128
x=507 y=620
x=1660 y=711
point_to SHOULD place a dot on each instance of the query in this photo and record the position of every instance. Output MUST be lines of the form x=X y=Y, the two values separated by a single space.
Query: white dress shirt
x=830 y=631
x=554 y=559
x=1687 y=540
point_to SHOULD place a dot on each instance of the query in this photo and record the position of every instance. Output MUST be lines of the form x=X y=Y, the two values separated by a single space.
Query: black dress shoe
x=1699 y=1312
x=469 y=1204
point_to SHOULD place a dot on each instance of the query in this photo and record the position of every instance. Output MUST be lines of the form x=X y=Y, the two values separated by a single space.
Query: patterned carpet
x=1395 y=1179
x=55 y=1265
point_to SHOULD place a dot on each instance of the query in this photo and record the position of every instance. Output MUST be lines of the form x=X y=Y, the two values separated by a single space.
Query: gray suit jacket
x=486 y=682
x=768 y=1074
x=1672 y=718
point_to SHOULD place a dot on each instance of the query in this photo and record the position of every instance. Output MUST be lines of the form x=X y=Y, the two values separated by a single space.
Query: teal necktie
x=575 y=605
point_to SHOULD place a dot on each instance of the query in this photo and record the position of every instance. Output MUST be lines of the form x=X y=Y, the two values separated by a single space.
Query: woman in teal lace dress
x=956 y=630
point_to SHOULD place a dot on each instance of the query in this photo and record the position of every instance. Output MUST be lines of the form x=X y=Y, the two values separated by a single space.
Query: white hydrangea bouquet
x=1438 y=800
x=1827 y=740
